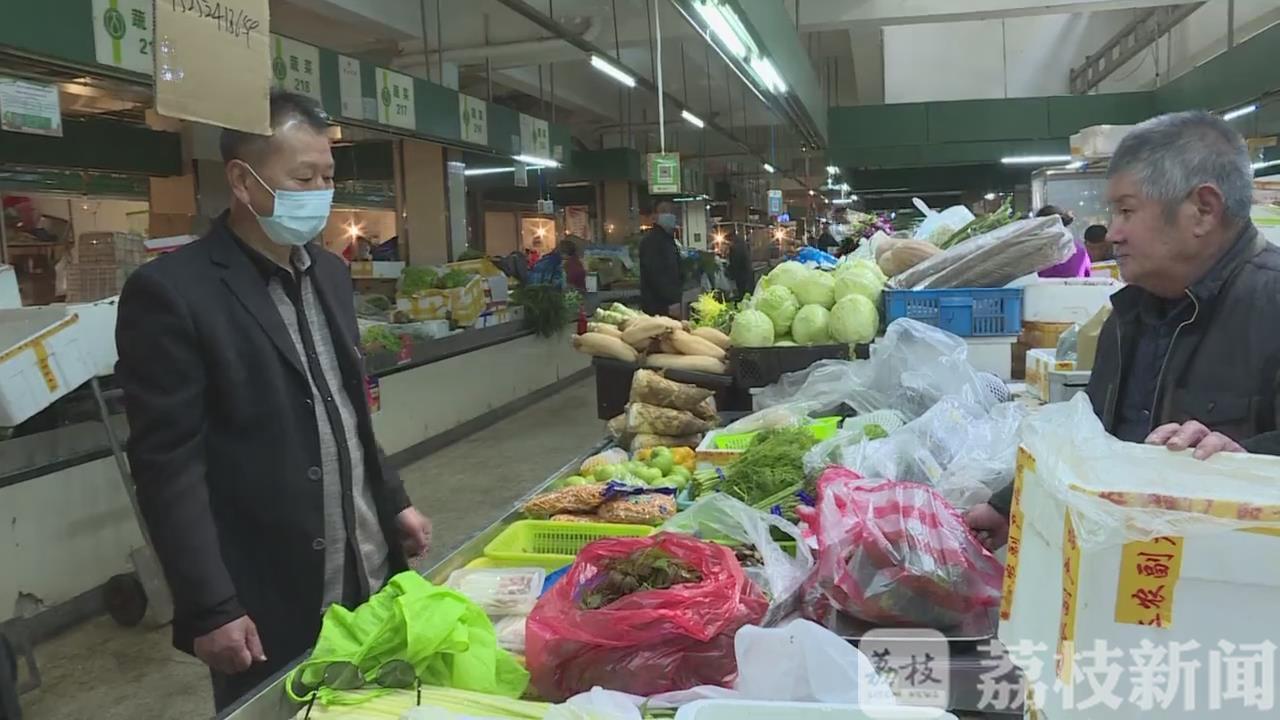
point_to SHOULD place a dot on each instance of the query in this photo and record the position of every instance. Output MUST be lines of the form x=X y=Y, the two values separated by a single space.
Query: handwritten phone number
x=233 y=21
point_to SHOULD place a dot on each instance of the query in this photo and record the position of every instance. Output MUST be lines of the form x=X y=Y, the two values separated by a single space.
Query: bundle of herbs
x=646 y=569
x=995 y=220
x=770 y=472
x=548 y=310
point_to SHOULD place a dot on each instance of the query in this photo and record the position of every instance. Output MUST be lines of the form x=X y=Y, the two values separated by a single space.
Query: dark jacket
x=741 y=271
x=223 y=442
x=1222 y=366
x=660 y=280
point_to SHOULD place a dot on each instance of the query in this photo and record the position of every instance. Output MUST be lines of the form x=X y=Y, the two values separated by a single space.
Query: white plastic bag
x=963 y=450
x=911 y=368
x=1150 y=491
x=720 y=516
x=940 y=224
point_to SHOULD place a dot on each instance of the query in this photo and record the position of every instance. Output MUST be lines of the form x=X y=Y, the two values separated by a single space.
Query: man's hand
x=415 y=532
x=232 y=648
x=1193 y=434
x=991 y=527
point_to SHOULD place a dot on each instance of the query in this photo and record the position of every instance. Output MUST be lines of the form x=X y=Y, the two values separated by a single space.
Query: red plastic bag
x=648 y=642
x=896 y=554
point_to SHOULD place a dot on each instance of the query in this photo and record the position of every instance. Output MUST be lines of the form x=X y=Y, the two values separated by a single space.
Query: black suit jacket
x=223 y=441
x=660 y=281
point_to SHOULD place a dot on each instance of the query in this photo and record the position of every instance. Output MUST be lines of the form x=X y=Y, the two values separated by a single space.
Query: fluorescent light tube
x=692 y=119
x=612 y=71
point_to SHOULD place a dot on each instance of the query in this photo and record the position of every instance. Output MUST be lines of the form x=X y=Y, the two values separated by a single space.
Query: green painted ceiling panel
x=504 y=129
x=944 y=153
x=978 y=120
x=436 y=110
x=876 y=125
x=1250 y=70
x=97 y=144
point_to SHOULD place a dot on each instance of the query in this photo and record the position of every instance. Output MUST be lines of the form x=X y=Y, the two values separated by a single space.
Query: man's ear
x=1210 y=206
x=238 y=179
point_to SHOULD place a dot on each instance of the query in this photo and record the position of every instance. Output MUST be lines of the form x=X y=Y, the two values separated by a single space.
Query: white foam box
x=97 y=328
x=43 y=356
x=10 y=296
x=1066 y=300
x=1041 y=362
x=1142 y=600
x=376 y=269
x=765 y=710
x=1099 y=141
x=992 y=354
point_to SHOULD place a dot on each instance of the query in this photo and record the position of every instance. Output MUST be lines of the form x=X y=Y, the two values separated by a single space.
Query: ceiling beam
x=830 y=14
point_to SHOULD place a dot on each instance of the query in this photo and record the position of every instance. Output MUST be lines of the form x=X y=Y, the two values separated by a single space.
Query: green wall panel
x=61 y=29
x=436 y=111
x=874 y=125
x=1246 y=72
x=504 y=129
x=979 y=120
x=97 y=144
x=1068 y=114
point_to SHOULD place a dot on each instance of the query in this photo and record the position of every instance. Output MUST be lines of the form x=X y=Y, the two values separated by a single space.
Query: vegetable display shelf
x=759 y=366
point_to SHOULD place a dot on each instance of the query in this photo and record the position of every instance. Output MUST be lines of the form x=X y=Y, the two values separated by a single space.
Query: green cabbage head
x=780 y=304
x=810 y=326
x=817 y=288
x=854 y=320
x=751 y=328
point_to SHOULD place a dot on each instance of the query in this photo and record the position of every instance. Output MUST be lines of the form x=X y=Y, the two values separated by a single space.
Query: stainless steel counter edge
x=269 y=701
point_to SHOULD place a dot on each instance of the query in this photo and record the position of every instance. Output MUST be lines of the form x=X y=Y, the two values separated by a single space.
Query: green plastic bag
x=447 y=640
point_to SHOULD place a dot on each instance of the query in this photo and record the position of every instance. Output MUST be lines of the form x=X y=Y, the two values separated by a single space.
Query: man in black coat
x=251 y=444
x=1189 y=358
x=741 y=271
x=661 y=285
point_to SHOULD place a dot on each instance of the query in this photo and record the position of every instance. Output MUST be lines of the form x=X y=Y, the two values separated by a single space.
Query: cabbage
x=785 y=342
x=854 y=320
x=810 y=326
x=780 y=305
x=751 y=328
x=857 y=264
x=817 y=288
x=858 y=281
x=789 y=274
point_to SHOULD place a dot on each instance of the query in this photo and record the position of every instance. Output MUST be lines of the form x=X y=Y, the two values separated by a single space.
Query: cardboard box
x=1043 y=335
x=1042 y=363
x=1140 y=583
x=1066 y=300
x=1087 y=342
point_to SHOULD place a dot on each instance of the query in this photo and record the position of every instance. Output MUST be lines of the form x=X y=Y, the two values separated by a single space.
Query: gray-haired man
x=1191 y=355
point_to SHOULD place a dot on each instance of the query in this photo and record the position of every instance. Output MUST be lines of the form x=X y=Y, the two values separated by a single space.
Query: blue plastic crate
x=967 y=312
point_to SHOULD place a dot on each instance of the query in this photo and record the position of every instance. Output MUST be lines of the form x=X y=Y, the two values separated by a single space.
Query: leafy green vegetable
x=381 y=337
x=771 y=469
x=710 y=311
x=470 y=254
x=1002 y=216
x=547 y=309
x=416 y=279
x=817 y=288
x=872 y=431
x=780 y=304
x=645 y=569
x=854 y=320
x=456 y=278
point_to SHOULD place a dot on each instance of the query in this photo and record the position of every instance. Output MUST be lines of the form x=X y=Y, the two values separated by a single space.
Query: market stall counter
x=981 y=678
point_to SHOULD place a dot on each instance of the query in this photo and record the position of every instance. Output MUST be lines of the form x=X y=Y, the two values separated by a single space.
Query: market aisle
x=104 y=672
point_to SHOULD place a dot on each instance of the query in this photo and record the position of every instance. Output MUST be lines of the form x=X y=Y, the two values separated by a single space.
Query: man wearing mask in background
x=1190 y=357
x=741 y=271
x=257 y=471
x=660 y=281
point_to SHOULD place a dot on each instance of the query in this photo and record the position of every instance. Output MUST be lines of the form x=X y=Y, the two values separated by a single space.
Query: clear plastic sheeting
x=963 y=450
x=912 y=367
x=1118 y=492
x=993 y=259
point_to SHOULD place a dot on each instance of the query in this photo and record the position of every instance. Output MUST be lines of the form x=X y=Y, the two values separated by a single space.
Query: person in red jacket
x=575 y=273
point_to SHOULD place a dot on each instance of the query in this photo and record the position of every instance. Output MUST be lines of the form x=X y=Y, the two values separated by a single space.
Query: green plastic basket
x=822 y=428
x=552 y=545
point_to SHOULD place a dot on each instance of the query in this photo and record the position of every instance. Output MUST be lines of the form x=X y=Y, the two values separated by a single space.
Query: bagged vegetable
x=573 y=499
x=652 y=388
x=647 y=641
x=895 y=554
x=645 y=509
x=646 y=418
x=994 y=259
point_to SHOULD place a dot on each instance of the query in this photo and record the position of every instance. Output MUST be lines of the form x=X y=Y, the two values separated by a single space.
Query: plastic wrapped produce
x=895 y=554
x=994 y=259
x=647 y=641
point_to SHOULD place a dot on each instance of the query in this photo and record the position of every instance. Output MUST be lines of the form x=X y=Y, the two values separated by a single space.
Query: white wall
x=1032 y=56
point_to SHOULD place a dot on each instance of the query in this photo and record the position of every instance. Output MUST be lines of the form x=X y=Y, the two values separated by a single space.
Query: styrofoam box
x=761 y=710
x=1225 y=589
x=10 y=296
x=1066 y=300
x=1040 y=362
x=1099 y=141
x=98 y=332
x=992 y=354
x=43 y=356
x=1064 y=385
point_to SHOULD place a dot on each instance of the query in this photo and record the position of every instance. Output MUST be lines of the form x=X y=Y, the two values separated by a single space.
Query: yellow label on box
x=37 y=346
x=1148 y=576
x=46 y=370
x=1070 y=591
x=1025 y=462
x=1267 y=516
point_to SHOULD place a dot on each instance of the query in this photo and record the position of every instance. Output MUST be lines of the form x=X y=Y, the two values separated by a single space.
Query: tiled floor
x=100 y=671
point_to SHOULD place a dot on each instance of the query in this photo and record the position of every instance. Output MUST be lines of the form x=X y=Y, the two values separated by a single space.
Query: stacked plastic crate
x=100 y=264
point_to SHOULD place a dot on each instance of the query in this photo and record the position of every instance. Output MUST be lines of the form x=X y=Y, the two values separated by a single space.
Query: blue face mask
x=299 y=215
x=667 y=221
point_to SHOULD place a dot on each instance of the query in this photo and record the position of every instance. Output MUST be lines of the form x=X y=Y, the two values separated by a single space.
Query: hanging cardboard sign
x=209 y=63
